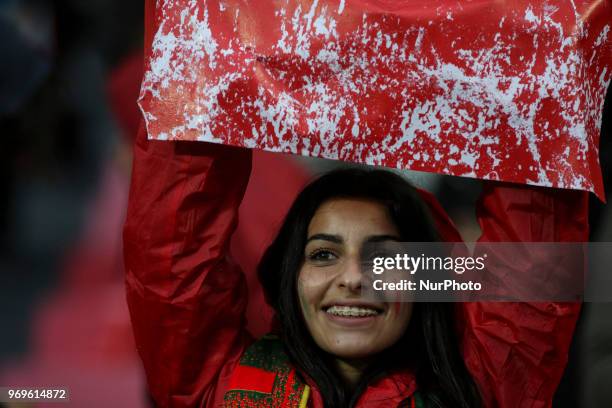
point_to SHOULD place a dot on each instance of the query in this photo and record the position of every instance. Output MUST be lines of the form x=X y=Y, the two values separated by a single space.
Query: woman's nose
x=350 y=276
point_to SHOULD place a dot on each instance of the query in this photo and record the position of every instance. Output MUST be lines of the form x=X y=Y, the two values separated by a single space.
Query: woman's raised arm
x=186 y=298
x=517 y=351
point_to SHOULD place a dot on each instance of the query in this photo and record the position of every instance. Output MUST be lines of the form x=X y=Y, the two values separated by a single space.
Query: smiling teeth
x=351 y=311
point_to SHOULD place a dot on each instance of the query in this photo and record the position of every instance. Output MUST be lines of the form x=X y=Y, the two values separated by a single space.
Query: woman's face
x=329 y=282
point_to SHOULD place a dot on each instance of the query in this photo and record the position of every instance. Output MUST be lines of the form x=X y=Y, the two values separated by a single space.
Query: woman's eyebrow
x=336 y=239
x=382 y=238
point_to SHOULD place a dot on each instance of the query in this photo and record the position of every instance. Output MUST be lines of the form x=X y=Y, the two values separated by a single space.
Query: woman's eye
x=322 y=255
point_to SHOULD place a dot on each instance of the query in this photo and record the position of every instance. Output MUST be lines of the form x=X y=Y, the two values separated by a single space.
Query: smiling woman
x=340 y=342
x=330 y=348
x=329 y=282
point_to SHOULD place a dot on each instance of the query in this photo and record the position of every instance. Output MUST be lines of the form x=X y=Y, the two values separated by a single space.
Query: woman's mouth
x=353 y=317
x=352 y=311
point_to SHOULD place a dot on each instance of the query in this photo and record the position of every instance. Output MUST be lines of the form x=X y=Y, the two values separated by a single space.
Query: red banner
x=499 y=90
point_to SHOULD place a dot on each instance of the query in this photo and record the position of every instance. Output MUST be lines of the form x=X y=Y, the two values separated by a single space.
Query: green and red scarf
x=265 y=378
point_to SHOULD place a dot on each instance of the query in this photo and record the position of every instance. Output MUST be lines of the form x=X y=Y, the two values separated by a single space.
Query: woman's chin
x=353 y=347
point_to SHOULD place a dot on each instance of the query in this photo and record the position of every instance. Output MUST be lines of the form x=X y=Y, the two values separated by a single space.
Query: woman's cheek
x=403 y=313
x=304 y=303
x=312 y=284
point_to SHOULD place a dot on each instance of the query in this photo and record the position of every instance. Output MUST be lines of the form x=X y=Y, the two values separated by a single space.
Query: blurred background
x=70 y=72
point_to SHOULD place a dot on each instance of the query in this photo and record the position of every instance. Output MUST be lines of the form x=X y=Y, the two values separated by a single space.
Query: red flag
x=508 y=91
